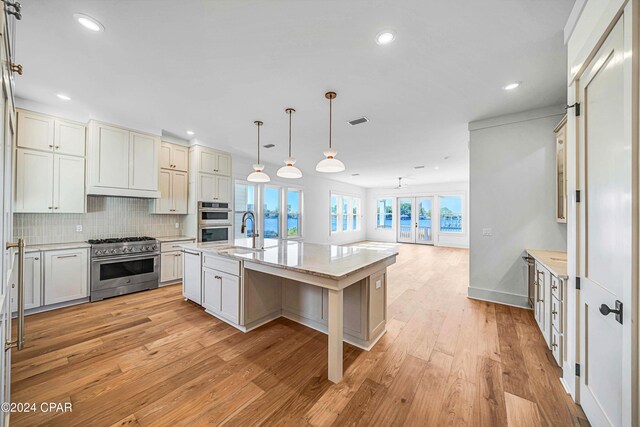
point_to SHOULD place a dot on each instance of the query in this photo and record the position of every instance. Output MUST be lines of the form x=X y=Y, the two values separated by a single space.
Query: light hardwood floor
x=153 y=359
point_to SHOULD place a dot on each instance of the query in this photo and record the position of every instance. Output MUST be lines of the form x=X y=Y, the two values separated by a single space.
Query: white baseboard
x=515 y=300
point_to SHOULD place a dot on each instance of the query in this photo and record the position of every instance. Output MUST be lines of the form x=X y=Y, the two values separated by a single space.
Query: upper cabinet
x=121 y=162
x=174 y=157
x=46 y=133
x=50 y=165
x=561 y=170
x=209 y=176
x=214 y=162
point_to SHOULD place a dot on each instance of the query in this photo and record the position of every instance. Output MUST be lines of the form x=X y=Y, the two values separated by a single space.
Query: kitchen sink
x=239 y=250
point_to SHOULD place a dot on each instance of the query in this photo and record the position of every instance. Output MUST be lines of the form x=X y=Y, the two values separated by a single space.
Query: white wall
x=460 y=240
x=512 y=191
x=316 y=200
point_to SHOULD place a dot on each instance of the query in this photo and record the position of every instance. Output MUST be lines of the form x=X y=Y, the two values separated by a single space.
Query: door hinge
x=578 y=192
x=577 y=283
x=577 y=369
x=576 y=106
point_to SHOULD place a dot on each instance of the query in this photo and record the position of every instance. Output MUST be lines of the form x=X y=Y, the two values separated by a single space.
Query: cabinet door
x=34 y=189
x=164 y=204
x=113 y=157
x=179 y=186
x=32 y=283
x=180 y=158
x=222 y=189
x=206 y=187
x=191 y=283
x=69 y=138
x=143 y=162
x=230 y=296
x=35 y=131
x=207 y=161
x=68 y=184
x=168 y=263
x=223 y=164
x=179 y=266
x=65 y=275
x=211 y=290
x=165 y=155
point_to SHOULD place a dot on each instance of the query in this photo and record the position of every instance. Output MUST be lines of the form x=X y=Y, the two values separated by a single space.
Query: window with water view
x=271 y=213
x=245 y=200
x=450 y=214
x=384 y=213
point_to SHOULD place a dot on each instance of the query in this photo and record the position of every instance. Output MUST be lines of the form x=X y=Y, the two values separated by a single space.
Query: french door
x=414 y=220
x=606 y=241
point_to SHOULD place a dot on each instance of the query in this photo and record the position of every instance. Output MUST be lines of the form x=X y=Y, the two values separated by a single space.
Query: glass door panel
x=406 y=220
x=423 y=212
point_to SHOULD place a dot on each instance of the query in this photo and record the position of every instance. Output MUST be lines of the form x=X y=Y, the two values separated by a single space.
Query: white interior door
x=605 y=163
x=407 y=219
x=424 y=229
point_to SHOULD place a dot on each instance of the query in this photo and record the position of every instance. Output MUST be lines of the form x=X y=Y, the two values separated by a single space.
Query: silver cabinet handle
x=50 y=145
x=19 y=342
x=56 y=207
x=50 y=207
x=37 y=259
x=217 y=277
x=67 y=256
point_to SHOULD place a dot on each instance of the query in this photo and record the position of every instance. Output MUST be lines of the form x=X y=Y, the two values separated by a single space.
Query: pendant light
x=257 y=175
x=330 y=164
x=289 y=171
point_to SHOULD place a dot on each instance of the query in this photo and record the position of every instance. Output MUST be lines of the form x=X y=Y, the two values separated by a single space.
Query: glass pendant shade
x=258 y=175
x=289 y=171
x=330 y=164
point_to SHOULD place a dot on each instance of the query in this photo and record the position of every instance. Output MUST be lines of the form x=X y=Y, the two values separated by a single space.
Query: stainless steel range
x=123 y=265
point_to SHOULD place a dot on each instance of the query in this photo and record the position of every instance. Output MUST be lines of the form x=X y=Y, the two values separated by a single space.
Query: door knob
x=605 y=310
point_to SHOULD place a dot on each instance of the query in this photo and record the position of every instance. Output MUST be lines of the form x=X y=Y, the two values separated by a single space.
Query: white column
x=335 y=335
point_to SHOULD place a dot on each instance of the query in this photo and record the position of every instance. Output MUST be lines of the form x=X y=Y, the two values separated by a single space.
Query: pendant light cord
x=289 y=111
x=258 y=142
x=330 y=119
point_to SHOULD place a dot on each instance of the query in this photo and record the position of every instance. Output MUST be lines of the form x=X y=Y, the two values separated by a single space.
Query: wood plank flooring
x=152 y=359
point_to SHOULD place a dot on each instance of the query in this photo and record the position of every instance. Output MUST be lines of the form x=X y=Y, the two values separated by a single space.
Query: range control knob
x=155 y=247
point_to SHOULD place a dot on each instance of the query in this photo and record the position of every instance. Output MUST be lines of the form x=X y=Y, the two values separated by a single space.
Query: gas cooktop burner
x=119 y=240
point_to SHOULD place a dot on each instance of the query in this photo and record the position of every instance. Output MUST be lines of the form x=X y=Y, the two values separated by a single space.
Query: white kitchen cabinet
x=213 y=188
x=69 y=138
x=121 y=162
x=211 y=290
x=173 y=187
x=223 y=164
x=214 y=162
x=192 y=276
x=49 y=183
x=143 y=162
x=174 y=157
x=32 y=283
x=34 y=187
x=65 y=275
x=46 y=133
x=68 y=184
x=229 y=297
x=35 y=131
x=170 y=266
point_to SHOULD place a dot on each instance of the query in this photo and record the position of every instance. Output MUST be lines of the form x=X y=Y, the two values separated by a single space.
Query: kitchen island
x=308 y=283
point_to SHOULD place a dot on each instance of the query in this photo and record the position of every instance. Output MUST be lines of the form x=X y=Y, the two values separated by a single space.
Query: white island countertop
x=329 y=261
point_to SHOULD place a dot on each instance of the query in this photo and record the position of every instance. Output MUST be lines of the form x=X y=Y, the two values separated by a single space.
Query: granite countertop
x=56 y=246
x=330 y=261
x=554 y=261
x=174 y=238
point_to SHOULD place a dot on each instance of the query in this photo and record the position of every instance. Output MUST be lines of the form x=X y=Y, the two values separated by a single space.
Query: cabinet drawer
x=173 y=246
x=556 y=346
x=557 y=286
x=221 y=264
x=556 y=315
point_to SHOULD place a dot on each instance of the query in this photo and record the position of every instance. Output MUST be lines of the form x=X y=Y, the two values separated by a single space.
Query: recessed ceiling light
x=88 y=22
x=385 y=37
x=437 y=167
x=190 y=133
x=511 y=86
x=63 y=97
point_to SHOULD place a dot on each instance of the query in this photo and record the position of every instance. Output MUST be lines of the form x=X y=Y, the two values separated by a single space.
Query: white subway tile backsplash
x=105 y=217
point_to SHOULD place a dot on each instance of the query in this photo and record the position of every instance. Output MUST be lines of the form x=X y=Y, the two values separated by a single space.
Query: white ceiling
x=216 y=66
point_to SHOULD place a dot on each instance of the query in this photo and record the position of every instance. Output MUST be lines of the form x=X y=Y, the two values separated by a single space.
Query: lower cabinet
x=222 y=294
x=32 y=283
x=192 y=280
x=66 y=275
x=170 y=266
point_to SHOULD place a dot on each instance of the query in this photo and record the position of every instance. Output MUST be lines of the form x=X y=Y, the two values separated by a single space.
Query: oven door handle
x=126 y=258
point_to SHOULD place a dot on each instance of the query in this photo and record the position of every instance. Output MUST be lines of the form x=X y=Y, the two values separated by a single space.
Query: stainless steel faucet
x=255 y=234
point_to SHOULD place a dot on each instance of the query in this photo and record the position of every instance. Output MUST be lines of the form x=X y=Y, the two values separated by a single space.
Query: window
x=294 y=216
x=384 y=213
x=271 y=213
x=450 y=214
x=346 y=213
x=245 y=200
